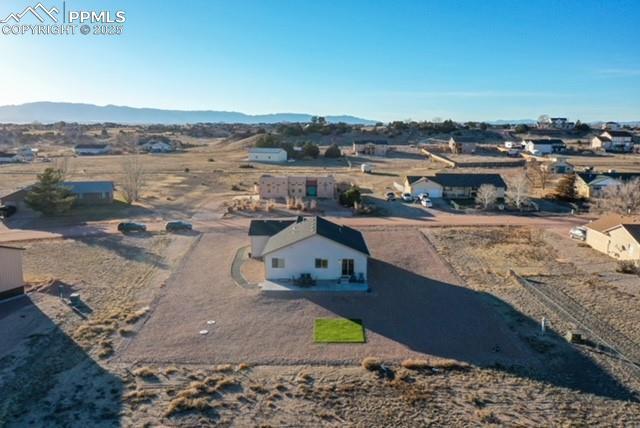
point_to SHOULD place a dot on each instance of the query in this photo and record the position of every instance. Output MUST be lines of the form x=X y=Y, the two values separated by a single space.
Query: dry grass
x=371 y=364
x=416 y=364
x=144 y=372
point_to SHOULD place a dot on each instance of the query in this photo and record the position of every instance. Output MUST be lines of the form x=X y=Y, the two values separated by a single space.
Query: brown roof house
x=615 y=235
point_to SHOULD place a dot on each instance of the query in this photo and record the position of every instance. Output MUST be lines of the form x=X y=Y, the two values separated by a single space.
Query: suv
x=407 y=197
x=579 y=233
x=131 y=227
x=7 y=211
x=390 y=196
x=175 y=226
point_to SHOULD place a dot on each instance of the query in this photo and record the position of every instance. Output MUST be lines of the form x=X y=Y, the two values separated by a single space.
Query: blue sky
x=395 y=60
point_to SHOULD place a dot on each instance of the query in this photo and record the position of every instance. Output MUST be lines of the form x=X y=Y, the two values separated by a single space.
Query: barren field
x=483 y=257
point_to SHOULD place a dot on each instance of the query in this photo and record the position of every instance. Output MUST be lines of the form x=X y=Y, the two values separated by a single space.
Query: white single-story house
x=11 y=281
x=260 y=154
x=453 y=186
x=544 y=146
x=315 y=247
x=615 y=235
x=157 y=146
x=92 y=149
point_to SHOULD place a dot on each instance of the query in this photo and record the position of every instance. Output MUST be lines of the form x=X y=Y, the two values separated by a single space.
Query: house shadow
x=116 y=243
x=398 y=208
x=449 y=321
x=52 y=381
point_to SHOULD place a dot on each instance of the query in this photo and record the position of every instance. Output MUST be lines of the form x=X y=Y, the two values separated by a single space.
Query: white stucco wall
x=257 y=245
x=617 y=243
x=433 y=189
x=279 y=156
x=300 y=258
x=10 y=269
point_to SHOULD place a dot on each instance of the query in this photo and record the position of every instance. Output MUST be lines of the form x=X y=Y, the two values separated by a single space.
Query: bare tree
x=63 y=164
x=623 y=198
x=538 y=173
x=133 y=179
x=487 y=195
x=518 y=191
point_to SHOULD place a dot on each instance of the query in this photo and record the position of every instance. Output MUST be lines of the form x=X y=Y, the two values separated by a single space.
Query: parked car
x=131 y=227
x=7 y=211
x=426 y=202
x=175 y=226
x=579 y=233
x=422 y=196
x=407 y=197
x=390 y=196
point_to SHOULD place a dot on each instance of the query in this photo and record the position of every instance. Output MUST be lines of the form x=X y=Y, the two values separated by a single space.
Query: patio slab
x=321 y=286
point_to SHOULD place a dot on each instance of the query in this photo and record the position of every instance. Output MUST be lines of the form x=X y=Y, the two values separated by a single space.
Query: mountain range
x=49 y=112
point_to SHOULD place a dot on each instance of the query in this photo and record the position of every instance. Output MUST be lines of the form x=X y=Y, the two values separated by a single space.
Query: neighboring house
x=544 y=146
x=258 y=154
x=556 y=123
x=91 y=192
x=316 y=247
x=157 y=146
x=92 y=149
x=611 y=126
x=27 y=154
x=453 y=186
x=462 y=145
x=261 y=230
x=558 y=166
x=9 y=157
x=615 y=235
x=15 y=198
x=593 y=184
x=11 y=281
x=613 y=141
x=274 y=187
x=371 y=147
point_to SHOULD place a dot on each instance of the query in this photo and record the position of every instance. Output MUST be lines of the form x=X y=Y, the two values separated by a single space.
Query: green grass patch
x=338 y=330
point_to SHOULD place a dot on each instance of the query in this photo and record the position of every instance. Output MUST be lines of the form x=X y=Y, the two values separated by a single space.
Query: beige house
x=371 y=147
x=615 y=235
x=462 y=145
x=453 y=186
x=11 y=282
x=280 y=187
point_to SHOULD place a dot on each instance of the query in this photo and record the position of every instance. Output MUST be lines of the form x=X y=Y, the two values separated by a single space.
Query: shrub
x=415 y=364
x=245 y=165
x=350 y=197
x=333 y=151
x=371 y=364
x=627 y=266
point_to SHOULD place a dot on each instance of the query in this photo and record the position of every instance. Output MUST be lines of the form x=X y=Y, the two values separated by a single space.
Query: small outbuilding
x=11 y=281
x=259 y=154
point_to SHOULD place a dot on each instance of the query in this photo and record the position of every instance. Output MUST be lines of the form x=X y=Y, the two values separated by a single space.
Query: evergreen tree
x=565 y=189
x=333 y=151
x=48 y=195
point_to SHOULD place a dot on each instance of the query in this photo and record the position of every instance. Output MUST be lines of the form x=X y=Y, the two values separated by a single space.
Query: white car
x=579 y=233
x=422 y=196
x=407 y=197
x=426 y=202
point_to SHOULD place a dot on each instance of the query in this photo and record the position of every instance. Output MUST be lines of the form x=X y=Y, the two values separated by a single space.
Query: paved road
x=561 y=224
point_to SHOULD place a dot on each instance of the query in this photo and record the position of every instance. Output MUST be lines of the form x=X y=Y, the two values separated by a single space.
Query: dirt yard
x=483 y=257
x=138 y=358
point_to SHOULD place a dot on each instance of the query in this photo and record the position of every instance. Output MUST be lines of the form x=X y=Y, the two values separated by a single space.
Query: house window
x=277 y=263
x=322 y=263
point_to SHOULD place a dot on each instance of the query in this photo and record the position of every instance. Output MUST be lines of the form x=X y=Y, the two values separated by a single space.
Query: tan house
x=280 y=187
x=371 y=147
x=462 y=145
x=11 y=282
x=615 y=235
x=453 y=186
x=613 y=141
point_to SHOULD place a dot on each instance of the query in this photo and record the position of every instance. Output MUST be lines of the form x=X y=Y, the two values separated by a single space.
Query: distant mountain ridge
x=49 y=112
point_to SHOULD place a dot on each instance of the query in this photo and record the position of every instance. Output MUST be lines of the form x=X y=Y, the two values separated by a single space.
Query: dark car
x=175 y=226
x=131 y=227
x=7 y=211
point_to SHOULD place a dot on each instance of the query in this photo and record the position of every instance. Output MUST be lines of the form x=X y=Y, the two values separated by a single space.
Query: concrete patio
x=320 y=286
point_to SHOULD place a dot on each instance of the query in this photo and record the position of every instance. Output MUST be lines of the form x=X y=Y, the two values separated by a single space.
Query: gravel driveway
x=414 y=308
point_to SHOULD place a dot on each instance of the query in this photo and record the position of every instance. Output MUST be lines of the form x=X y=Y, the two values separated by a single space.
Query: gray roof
x=468 y=180
x=634 y=230
x=619 y=133
x=588 y=177
x=91 y=146
x=89 y=186
x=268 y=227
x=312 y=226
x=552 y=141
x=377 y=142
